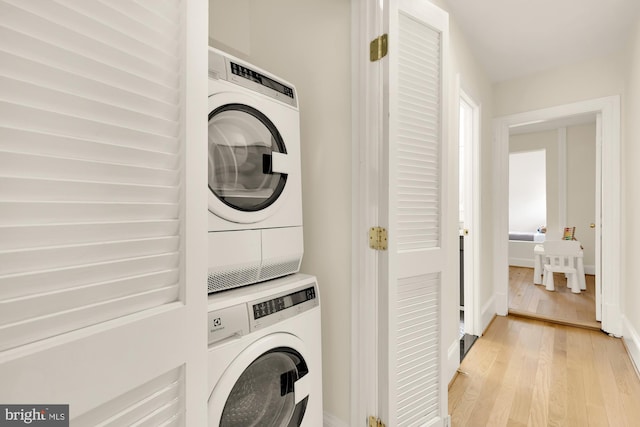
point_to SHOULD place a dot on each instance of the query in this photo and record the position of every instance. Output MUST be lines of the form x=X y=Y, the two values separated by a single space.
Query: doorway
x=552 y=185
x=608 y=121
x=468 y=200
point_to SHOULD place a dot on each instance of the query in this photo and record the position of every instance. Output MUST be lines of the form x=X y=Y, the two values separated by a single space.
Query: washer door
x=270 y=389
x=248 y=161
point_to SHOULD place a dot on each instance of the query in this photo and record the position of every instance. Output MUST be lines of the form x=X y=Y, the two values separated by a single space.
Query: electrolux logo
x=36 y=415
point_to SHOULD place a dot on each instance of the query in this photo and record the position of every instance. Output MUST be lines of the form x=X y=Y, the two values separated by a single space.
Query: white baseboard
x=521 y=262
x=488 y=311
x=330 y=420
x=631 y=339
x=453 y=359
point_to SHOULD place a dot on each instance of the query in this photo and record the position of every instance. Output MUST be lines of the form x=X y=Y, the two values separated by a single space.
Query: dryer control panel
x=225 y=67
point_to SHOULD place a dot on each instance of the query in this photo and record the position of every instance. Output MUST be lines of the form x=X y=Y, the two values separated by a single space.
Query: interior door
x=102 y=224
x=414 y=208
x=597 y=223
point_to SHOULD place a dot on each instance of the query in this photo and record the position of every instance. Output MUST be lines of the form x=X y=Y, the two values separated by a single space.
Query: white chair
x=562 y=256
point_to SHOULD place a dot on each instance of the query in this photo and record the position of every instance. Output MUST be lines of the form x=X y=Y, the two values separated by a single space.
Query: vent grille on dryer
x=223 y=280
x=279 y=269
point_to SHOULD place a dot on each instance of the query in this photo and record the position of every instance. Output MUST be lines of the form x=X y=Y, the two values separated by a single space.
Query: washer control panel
x=276 y=308
x=238 y=320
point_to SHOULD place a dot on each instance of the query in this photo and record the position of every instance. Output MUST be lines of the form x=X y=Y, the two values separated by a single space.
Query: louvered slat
x=37 y=143
x=157 y=403
x=50 y=280
x=418 y=344
x=45 y=23
x=418 y=155
x=90 y=165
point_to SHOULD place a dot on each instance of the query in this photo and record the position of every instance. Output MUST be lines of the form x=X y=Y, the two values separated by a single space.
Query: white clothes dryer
x=265 y=360
x=255 y=196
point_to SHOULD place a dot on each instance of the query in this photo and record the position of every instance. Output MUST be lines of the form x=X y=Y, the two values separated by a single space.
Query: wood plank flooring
x=525 y=372
x=561 y=305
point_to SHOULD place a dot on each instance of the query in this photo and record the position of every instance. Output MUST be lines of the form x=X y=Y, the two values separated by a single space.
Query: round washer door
x=266 y=385
x=248 y=160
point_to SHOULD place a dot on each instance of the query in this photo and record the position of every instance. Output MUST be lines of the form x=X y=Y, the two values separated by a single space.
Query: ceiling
x=513 y=38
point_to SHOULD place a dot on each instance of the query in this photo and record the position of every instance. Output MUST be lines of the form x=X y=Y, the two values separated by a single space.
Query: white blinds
x=418 y=360
x=90 y=164
x=159 y=402
x=419 y=106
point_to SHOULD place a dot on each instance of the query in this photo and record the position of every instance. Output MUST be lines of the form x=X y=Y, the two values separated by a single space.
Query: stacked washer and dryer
x=264 y=361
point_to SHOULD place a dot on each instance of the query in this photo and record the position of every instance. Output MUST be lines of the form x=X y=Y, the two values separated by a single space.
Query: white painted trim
x=521 y=262
x=194 y=238
x=488 y=311
x=609 y=108
x=501 y=217
x=562 y=177
x=366 y=20
x=598 y=218
x=631 y=339
x=330 y=420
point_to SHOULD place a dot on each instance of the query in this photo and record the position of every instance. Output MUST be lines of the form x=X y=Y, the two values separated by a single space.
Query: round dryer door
x=272 y=390
x=247 y=160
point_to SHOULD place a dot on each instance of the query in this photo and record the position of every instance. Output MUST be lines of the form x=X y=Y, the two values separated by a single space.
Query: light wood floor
x=525 y=372
x=561 y=305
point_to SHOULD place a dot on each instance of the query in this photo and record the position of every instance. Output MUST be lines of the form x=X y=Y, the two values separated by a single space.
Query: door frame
x=367 y=104
x=608 y=108
x=472 y=266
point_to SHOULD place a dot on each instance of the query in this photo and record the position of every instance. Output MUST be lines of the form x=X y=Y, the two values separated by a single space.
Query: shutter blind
x=417 y=303
x=418 y=361
x=90 y=163
x=160 y=402
x=419 y=135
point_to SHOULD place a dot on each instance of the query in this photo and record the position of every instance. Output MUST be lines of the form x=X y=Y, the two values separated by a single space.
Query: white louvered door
x=102 y=276
x=414 y=267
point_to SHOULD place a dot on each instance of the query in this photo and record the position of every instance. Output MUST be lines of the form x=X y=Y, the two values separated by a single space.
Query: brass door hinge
x=378 y=238
x=375 y=422
x=378 y=48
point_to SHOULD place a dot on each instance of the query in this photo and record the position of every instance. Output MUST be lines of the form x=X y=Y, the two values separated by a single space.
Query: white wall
x=585 y=80
x=308 y=43
x=631 y=198
x=477 y=85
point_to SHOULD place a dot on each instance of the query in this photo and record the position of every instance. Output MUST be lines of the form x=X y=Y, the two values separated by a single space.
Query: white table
x=538 y=260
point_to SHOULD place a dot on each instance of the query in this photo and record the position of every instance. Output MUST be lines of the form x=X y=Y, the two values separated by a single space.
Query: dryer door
x=248 y=162
x=271 y=389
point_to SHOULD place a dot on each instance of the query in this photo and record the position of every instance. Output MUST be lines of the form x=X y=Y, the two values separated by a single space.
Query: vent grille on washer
x=229 y=279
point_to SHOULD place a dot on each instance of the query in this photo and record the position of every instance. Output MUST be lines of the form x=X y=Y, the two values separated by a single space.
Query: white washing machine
x=265 y=361
x=255 y=196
